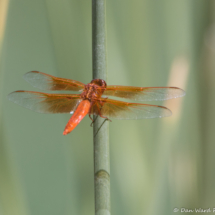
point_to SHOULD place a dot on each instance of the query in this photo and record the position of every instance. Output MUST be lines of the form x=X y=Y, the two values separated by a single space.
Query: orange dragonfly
x=90 y=100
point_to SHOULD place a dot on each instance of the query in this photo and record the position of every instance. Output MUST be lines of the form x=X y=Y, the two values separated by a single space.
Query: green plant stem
x=101 y=137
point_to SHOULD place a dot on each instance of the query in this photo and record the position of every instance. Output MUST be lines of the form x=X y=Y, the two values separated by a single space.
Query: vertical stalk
x=101 y=137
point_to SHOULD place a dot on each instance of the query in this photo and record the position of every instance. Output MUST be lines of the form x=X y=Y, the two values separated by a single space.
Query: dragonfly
x=93 y=99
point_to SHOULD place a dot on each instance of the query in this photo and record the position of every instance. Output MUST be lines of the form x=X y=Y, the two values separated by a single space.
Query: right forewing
x=48 y=82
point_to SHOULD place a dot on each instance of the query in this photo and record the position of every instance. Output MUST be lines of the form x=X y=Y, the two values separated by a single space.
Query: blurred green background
x=156 y=164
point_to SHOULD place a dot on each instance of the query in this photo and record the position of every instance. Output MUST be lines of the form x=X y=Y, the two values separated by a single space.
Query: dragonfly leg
x=92 y=120
x=91 y=117
x=100 y=126
x=99 y=109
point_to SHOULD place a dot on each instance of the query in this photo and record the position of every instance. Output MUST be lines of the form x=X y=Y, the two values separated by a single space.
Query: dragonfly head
x=99 y=82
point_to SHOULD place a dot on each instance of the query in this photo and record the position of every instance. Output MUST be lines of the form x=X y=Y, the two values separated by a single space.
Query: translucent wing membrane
x=48 y=82
x=44 y=102
x=123 y=110
x=144 y=93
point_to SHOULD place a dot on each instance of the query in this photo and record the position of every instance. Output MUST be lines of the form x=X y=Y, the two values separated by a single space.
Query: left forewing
x=144 y=93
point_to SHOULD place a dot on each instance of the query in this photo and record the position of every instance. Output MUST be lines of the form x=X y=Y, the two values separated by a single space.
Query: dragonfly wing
x=48 y=82
x=114 y=109
x=44 y=102
x=144 y=93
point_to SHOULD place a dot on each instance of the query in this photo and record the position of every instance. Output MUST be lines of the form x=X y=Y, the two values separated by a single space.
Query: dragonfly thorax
x=94 y=90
